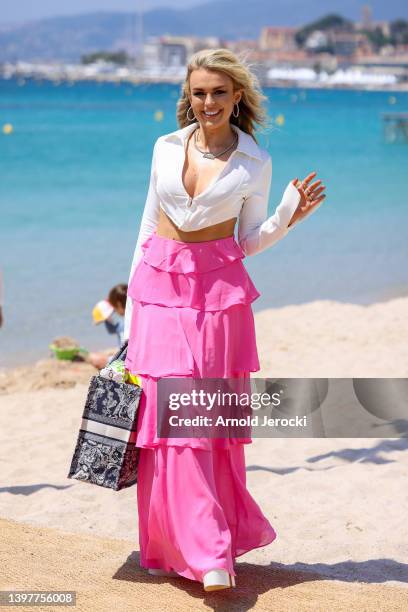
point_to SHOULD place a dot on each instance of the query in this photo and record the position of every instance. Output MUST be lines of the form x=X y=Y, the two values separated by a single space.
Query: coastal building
x=280 y=39
x=151 y=53
x=347 y=44
x=316 y=40
x=395 y=64
x=248 y=46
x=175 y=51
x=383 y=26
x=368 y=24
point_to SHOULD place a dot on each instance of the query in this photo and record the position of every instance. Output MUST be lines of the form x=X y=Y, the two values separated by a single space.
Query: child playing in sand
x=110 y=312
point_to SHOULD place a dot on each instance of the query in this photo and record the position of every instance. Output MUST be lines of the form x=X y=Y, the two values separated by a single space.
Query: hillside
x=67 y=38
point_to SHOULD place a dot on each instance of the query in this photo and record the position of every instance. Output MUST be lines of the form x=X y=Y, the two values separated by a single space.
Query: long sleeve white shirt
x=241 y=190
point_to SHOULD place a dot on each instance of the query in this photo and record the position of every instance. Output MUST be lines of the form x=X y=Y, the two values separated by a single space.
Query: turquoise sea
x=74 y=176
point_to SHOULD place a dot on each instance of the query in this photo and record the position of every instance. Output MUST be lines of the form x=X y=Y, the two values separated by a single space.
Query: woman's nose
x=209 y=99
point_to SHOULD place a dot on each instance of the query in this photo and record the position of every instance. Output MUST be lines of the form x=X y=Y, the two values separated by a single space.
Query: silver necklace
x=210 y=155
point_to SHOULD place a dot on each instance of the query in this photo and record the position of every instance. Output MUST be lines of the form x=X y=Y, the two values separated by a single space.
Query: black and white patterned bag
x=105 y=452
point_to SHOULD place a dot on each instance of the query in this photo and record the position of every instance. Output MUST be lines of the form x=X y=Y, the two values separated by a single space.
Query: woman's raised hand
x=310 y=196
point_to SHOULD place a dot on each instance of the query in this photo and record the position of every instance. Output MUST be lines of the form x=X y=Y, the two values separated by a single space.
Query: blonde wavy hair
x=251 y=111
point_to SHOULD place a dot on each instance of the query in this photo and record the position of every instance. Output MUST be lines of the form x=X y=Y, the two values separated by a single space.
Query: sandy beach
x=338 y=505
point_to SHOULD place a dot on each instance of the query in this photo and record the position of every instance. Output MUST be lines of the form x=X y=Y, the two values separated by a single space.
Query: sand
x=328 y=339
x=339 y=506
x=105 y=575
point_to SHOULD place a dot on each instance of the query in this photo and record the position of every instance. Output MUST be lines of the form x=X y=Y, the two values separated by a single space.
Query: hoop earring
x=190 y=118
x=235 y=115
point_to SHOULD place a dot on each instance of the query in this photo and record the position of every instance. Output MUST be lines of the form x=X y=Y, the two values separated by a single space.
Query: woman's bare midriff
x=167 y=229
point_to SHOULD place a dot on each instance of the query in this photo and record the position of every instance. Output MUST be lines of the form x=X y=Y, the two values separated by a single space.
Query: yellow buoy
x=392 y=100
x=7 y=128
x=280 y=120
x=158 y=115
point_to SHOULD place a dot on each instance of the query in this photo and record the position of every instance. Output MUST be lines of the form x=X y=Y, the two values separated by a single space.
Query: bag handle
x=121 y=353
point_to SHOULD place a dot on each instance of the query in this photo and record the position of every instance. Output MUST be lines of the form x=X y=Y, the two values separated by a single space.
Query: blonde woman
x=189 y=314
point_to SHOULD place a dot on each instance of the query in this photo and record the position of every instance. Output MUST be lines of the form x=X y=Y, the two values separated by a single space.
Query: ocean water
x=74 y=175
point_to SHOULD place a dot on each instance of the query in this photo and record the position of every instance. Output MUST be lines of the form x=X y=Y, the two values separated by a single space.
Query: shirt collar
x=246 y=144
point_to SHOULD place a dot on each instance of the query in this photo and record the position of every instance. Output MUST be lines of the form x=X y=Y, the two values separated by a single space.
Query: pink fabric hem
x=180 y=489
x=186 y=342
x=147 y=425
x=213 y=290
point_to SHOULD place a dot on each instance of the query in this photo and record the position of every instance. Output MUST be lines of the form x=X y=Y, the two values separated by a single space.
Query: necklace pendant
x=209 y=155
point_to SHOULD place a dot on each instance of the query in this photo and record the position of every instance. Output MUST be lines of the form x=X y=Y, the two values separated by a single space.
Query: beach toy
x=7 y=128
x=132 y=379
x=66 y=348
x=116 y=371
x=68 y=354
x=102 y=311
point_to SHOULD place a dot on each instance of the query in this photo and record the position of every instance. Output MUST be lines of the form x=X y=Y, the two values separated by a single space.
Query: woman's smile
x=211 y=114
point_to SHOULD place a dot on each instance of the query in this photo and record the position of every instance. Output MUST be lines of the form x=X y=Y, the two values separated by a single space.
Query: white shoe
x=217 y=579
x=161 y=572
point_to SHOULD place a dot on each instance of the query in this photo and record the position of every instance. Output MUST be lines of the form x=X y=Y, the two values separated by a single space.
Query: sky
x=17 y=11
x=23 y=10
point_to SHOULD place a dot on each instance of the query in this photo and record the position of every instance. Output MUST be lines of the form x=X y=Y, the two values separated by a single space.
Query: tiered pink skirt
x=192 y=317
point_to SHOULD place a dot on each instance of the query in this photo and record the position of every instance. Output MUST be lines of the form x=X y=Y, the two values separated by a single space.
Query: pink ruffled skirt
x=192 y=317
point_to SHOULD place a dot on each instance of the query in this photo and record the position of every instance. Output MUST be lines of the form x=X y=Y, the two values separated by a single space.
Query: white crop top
x=241 y=190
